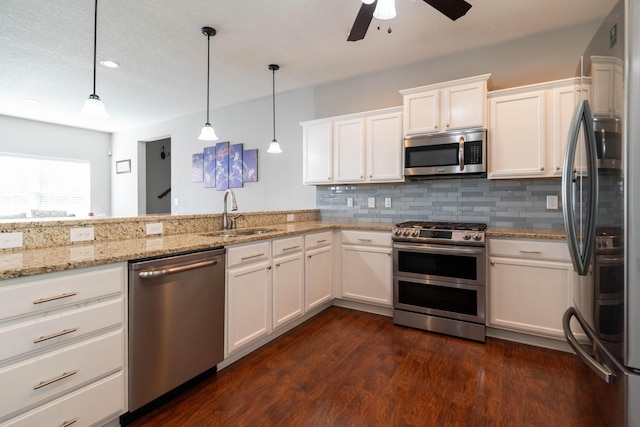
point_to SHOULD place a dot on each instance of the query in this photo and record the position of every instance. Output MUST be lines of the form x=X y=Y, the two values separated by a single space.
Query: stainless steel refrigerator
x=601 y=203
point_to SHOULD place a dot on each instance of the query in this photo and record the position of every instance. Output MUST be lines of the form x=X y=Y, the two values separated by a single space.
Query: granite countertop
x=46 y=260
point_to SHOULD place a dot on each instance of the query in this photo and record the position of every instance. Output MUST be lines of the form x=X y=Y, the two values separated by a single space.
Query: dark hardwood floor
x=350 y=368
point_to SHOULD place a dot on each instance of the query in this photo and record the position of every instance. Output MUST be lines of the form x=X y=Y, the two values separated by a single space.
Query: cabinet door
x=422 y=112
x=248 y=303
x=317 y=154
x=530 y=295
x=288 y=288
x=367 y=274
x=517 y=133
x=602 y=80
x=464 y=106
x=318 y=273
x=384 y=148
x=564 y=101
x=349 y=151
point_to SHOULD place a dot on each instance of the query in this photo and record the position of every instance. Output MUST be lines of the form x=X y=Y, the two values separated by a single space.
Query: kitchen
x=277 y=195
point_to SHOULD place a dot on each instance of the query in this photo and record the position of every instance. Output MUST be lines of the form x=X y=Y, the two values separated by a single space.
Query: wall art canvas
x=209 y=162
x=250 y=166
x=197 y=167
x=235 y=166
x=222 y=166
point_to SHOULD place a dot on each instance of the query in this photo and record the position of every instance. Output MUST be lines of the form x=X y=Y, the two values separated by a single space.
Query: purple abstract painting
x=209 y=162
x=250 y=166
x=235 y=166
x=222 y=166
x=197 y=167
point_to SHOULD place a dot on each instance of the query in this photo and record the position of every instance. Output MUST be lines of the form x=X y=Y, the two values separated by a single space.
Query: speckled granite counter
x=525 y=233
x=45 y=260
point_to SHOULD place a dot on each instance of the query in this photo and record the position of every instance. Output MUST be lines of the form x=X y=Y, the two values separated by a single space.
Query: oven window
x=444 y=298
x=432 y=155
x=611 y=280
x=455 y=266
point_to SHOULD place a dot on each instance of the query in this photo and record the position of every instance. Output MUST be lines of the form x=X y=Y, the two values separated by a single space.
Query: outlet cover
x=81 y=234
x=387 y=202
x=552 y=202
x=349 y=202
x=154 y=228
x=291 y=217
x=10 y=240
x=371 y=202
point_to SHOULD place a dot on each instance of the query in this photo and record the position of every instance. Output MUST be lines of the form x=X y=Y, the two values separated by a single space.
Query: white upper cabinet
x=352 y=149
x=608 y=86
x=317 y=154
x=446 y=106
x=528 y=129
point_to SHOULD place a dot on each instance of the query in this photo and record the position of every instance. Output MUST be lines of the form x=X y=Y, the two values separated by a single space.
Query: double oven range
x=439 y=276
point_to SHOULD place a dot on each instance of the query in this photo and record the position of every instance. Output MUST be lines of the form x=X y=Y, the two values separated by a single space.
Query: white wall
x=279 y=185
x=30 y=137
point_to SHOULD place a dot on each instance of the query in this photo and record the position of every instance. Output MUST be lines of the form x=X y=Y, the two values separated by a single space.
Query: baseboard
x=534 y=340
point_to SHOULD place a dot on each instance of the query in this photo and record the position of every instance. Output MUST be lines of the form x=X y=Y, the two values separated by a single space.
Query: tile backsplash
x=499 y=203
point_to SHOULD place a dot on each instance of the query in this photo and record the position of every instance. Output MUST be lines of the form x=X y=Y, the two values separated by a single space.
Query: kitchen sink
x=237 y=233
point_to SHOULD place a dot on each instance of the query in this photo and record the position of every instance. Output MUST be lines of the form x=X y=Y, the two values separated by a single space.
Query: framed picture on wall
x=123 y=166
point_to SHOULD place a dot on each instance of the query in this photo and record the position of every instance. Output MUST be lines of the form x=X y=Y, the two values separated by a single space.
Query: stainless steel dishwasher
x=176 y=321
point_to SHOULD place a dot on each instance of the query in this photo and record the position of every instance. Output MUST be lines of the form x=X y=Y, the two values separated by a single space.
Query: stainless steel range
x=439 y=277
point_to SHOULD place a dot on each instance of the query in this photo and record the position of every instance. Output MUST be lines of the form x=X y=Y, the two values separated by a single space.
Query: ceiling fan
x=452 y=9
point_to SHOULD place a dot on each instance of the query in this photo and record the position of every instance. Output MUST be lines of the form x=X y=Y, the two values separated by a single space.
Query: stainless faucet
x=234 y=207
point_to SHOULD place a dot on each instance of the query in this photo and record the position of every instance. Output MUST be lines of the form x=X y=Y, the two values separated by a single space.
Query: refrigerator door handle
x=580 y=256
x=602 y=370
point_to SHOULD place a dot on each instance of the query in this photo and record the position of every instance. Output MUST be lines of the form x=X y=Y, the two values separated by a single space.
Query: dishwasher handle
x=157 y=273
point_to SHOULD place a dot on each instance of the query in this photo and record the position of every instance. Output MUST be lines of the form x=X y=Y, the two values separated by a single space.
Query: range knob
x=397 y=231
x=477 y=237
x=415 y=233
x=405 y=233
x=465 y=236
x=605 y=243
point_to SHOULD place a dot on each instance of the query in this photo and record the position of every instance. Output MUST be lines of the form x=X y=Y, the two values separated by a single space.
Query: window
x=40 y=186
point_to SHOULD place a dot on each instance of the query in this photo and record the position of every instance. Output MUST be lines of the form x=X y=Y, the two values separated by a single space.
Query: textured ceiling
x=46 y=49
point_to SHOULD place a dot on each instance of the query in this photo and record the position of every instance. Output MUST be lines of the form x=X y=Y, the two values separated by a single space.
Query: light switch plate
x=387 y=202
x=349 y=202
x=10 y=240
x=552 y=202
x=81 y=234
x=372 y=202
x=154 y=228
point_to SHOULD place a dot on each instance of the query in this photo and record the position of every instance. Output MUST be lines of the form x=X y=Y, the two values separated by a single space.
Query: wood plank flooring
x=350 y=368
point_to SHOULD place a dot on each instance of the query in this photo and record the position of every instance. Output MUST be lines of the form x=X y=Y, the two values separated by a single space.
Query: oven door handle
x=461 y=153
x=443 y=249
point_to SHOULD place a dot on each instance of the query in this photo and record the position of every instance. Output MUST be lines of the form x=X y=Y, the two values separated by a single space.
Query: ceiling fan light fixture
x=93 y=106
x=274 y=147
x=385 y=9
x=207 y=133
x=368 y=1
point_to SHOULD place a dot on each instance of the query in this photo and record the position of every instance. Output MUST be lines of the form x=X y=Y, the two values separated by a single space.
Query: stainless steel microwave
x=462 y=153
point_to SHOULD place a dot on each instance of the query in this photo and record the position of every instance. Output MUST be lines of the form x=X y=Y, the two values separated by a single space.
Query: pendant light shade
x=207 y=133
x=385 y=9
x=274 y=147
x=93 y=106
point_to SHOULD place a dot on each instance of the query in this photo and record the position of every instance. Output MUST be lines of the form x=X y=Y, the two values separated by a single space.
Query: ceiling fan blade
x=452 y=9
x=361 y=24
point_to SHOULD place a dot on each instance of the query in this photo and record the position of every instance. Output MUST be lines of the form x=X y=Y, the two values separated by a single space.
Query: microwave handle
x=461 y=153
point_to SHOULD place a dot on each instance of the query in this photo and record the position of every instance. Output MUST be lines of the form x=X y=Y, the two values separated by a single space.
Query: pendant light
x=385 y=9
x=207 y=133
x=274 y=147
x=94 y=106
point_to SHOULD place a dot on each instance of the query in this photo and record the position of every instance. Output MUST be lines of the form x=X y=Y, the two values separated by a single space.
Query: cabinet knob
x=435 y=127
x=557 y=168
x=278 y=265
x=309 y=256
x=370 y=176
x=329 y=179
x=361 y=177
x=447 y=124
x=542 y=168
x=269 y=268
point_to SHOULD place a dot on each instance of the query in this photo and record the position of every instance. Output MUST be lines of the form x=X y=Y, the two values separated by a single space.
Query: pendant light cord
x=273 y=70
x=208 y=61
x=95 y=44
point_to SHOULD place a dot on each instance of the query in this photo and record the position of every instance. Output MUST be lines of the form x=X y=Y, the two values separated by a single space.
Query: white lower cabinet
x=287 y=280
x=366 y=271
x=248 y=294
x=318 y=269
x=531 y=285
x=62 y=347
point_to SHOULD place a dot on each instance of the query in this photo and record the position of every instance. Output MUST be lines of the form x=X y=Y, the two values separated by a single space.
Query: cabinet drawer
x=287 y=246
x=55 y=373
x=535 y=249
x=316 y=240
x=248 y=253
x=23 y=297
x=97 y=402
x=368 y=238
x=50 y=329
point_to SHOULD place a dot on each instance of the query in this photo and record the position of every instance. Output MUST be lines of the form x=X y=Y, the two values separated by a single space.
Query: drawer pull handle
x=251 y=256
x=61 y=296
x=56 y=379
x=531 y=252
x=56 y=335
x=68 y=423
x=322 y=241
x=291 y=248
x=364 y=240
